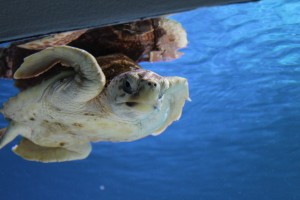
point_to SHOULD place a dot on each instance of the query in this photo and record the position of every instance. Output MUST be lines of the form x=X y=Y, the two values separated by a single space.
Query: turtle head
x=147 y=96
x=136 y=93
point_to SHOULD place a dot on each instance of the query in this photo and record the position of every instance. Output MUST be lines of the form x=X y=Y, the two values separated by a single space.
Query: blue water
x=239 y=138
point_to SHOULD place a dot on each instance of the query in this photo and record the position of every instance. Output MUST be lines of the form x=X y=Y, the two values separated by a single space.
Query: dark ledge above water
x=22 y=19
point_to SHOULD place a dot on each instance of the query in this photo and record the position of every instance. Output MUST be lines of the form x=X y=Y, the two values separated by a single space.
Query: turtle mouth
x=131 y=104
x=135 y=103
x=142 y=103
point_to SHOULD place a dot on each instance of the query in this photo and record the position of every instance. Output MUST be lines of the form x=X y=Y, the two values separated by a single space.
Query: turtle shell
x=146 y=40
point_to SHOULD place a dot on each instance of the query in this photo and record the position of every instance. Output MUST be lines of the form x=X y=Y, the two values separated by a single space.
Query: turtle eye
x=127 y=87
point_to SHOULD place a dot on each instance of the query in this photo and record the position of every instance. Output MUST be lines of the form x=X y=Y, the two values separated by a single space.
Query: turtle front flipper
x=31 y=151
x=177 y=92
x=10 y=133
x=88 y=81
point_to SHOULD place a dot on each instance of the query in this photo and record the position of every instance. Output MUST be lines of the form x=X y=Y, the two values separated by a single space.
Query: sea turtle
x=151 y=40
x=59 y=117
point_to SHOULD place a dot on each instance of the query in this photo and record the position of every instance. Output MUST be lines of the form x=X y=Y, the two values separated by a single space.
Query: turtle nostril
x=152 y=84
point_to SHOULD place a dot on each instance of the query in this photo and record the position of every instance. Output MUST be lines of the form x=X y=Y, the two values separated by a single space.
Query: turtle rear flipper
x=8 y=134
x=31 y=151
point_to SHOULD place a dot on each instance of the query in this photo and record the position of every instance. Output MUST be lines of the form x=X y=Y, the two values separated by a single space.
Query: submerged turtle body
x=146 y=40
x=62 y=109
x=59 y=117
